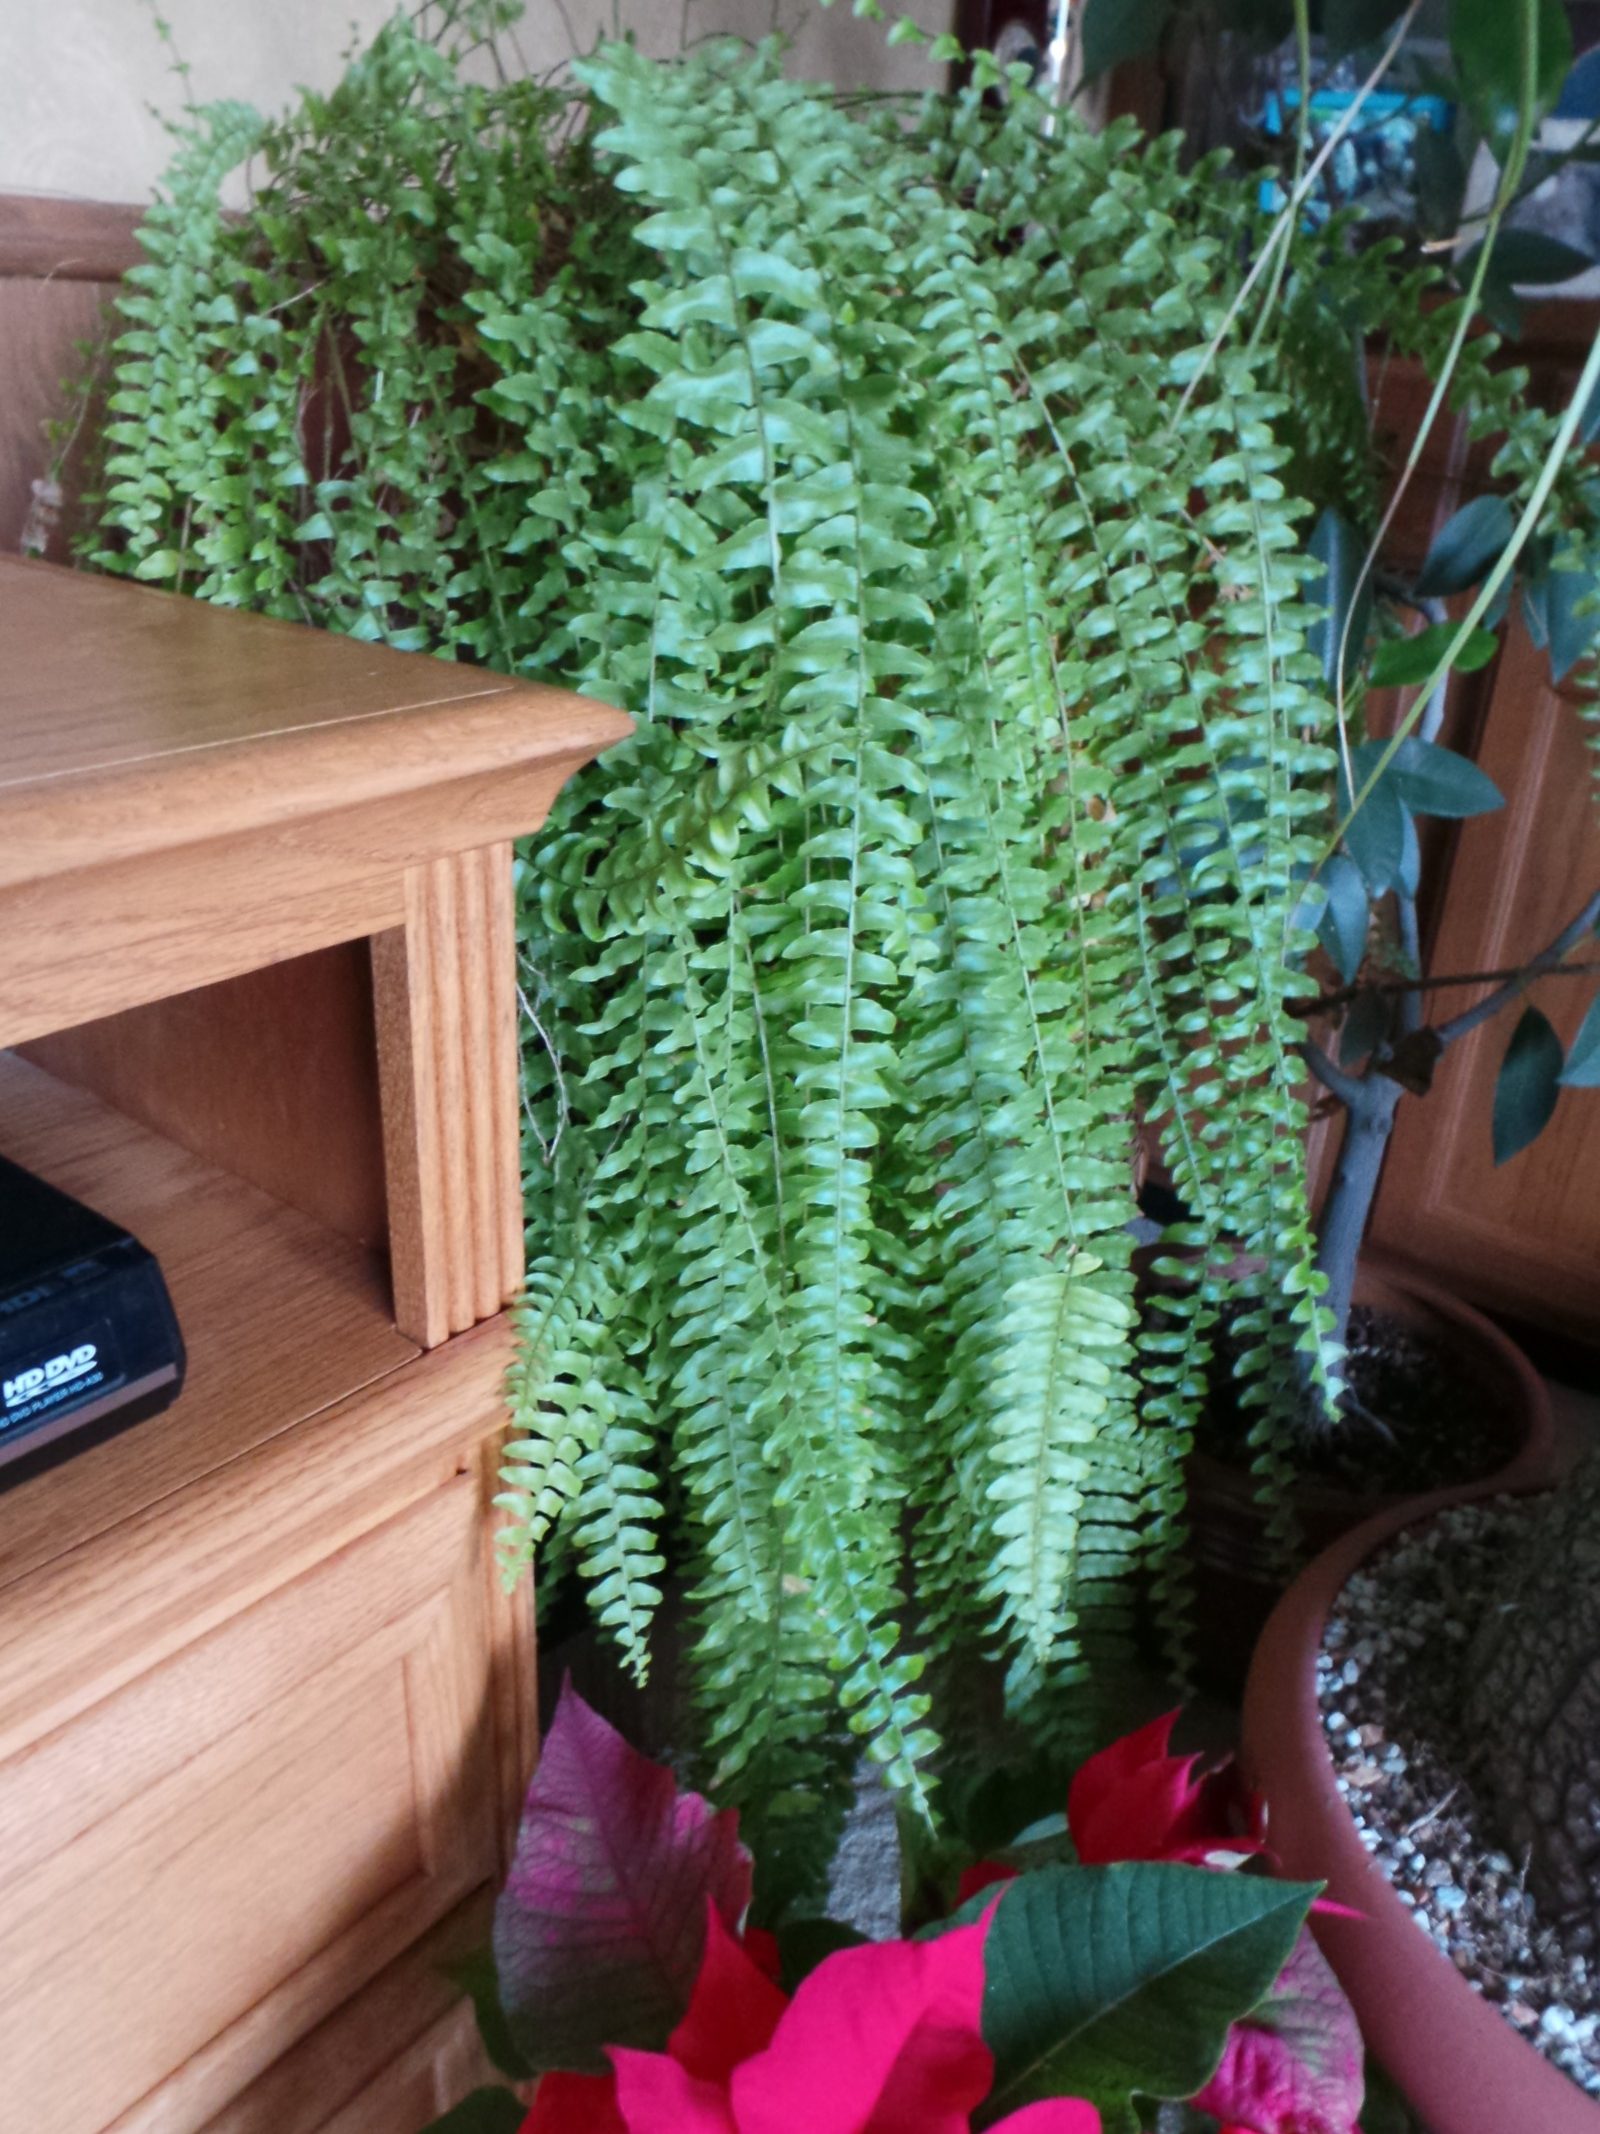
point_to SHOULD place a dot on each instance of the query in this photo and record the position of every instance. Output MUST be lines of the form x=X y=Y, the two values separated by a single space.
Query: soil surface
x=1417 y=1417
x=1389 y=1683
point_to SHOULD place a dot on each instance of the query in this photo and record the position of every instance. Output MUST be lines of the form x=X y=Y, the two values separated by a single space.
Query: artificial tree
x=909 y=474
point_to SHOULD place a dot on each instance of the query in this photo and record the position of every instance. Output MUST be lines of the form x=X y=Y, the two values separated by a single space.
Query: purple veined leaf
x=599 y=1930
x=1294 y=2064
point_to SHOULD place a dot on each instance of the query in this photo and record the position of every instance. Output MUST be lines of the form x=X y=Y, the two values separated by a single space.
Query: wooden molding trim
x=46 y=239
x=444 y=991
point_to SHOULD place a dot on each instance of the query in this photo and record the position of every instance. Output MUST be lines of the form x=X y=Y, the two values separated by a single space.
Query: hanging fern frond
x=870 y=456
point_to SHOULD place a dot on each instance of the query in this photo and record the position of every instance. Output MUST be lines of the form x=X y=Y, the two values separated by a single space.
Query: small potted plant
x=1128 y=1962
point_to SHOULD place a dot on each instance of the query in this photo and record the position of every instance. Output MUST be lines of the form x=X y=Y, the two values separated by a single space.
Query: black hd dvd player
x=89 y=1342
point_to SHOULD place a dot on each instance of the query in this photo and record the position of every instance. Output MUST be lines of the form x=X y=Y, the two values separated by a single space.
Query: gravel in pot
x=1390 y=1686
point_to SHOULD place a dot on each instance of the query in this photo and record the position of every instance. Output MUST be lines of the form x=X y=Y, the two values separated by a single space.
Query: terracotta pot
x=1237 y=1580
x=1464 y=2069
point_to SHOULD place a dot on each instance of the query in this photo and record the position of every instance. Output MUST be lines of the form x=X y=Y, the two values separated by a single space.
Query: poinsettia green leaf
x=1527 y=1085
x=485 y=2111
x=803 y=1943
x=476 y=1976
x=1113 y=1983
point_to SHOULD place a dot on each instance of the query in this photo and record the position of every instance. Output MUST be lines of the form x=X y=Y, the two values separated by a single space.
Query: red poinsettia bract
x=880 y=2039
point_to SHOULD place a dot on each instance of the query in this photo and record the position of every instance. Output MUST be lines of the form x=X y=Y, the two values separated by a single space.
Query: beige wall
x=78 y=77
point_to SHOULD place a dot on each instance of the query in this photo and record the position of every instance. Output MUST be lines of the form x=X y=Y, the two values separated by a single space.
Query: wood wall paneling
x=1524 y=1237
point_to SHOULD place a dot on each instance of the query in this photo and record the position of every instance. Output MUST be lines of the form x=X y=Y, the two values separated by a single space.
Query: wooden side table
x=265 y=1713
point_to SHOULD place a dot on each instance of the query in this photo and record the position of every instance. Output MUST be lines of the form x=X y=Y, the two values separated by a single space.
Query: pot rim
x=1459 y=2062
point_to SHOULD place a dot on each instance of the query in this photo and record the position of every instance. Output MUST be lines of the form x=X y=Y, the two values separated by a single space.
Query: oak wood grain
x=119 y=1604
x=281 y=1317
x=271 y=1076
x=398 y=2054
x=1524 y=1236
x=43 y=325
x=133 y=721
x=288 y=1830
x=447 y=1053
x=47 y=238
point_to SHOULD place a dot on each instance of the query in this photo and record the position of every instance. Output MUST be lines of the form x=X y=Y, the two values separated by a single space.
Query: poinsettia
x=1137 y=1801
x=881 y=2039
x=629 y=1978
x=1294 y=2064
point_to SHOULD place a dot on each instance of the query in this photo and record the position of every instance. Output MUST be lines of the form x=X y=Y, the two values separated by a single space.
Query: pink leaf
x=733 y=2010
x=1293 y=2066
x=1054 y=2115
x=883 y=2039
x=575 y=2104
x=659 y=2096
x=600 y=1927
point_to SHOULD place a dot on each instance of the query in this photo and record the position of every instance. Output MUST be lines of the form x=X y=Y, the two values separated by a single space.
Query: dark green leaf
x=1115 y=30
x=1441 y=182
x=1402 y=661
x=1582 y=1070
x=803 y=1944
x=1527 y=1085
x=1364 y=1026
x=1525 y=258
x=1486 y=43
x=1437 y=781
x=1375 y=835
x=477 y=1978
x=1465 y=546
x=1339 y=549
x=1110 y=1983
x=484 y=2112
x=1349 y=24
x=1571 y=618
x=1343 y=926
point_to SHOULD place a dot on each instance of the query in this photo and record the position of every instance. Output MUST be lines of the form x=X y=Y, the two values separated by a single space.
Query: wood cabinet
x=1523 y=1239
x=266 y=1713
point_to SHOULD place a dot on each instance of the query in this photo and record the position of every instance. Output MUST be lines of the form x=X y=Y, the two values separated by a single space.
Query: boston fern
x=871 y=457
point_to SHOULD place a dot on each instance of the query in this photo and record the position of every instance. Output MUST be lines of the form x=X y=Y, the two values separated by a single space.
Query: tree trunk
x=1533 y=1700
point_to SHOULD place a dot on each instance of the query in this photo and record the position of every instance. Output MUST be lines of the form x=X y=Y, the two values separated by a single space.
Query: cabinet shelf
x=281 y=1316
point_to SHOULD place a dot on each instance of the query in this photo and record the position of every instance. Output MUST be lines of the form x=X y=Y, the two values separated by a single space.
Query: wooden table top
x=133 y=720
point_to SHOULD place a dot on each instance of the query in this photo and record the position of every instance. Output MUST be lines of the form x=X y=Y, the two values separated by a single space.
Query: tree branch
x=1569 y=937
x=1310 y=1005
x=1348 y=1088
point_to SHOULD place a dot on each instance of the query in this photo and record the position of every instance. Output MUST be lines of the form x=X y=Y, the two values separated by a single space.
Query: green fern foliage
x=978 y=766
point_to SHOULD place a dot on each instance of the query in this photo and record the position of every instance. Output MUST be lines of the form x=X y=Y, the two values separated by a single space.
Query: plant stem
x=1324 y=1003
x=1545 y=962
x=1370 y=1101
